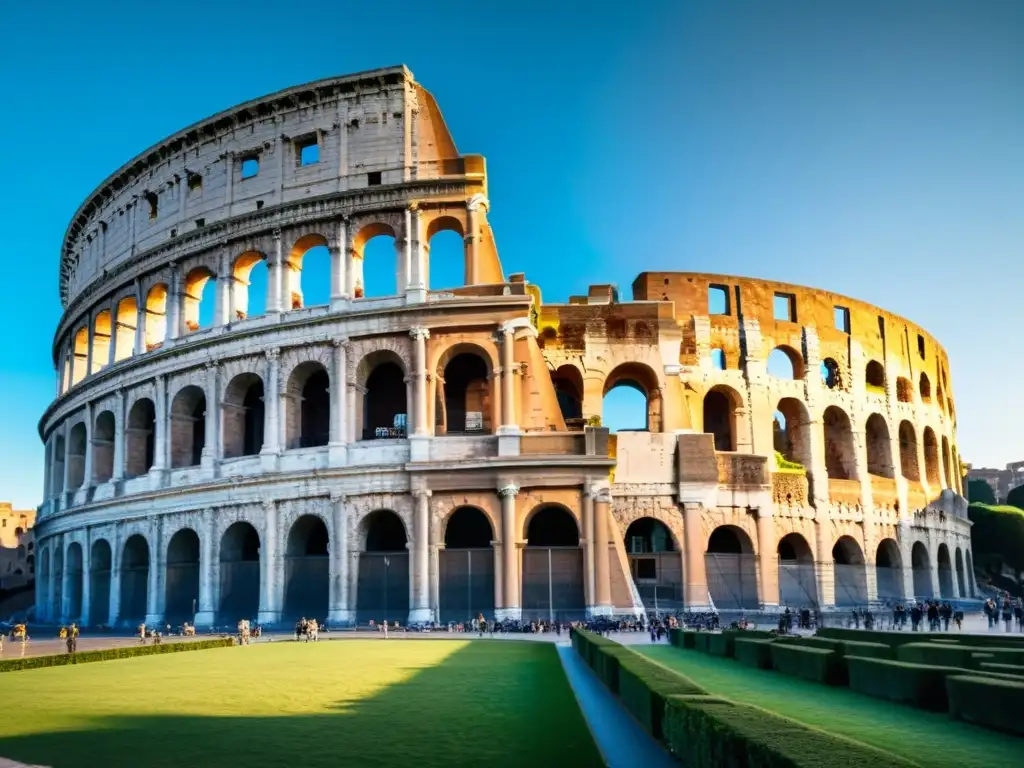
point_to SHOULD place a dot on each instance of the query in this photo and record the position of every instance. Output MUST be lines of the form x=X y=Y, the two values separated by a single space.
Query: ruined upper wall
x=373 y=128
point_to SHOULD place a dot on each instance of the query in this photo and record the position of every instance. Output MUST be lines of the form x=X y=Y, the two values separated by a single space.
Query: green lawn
x=360 y=702
x=927 y=738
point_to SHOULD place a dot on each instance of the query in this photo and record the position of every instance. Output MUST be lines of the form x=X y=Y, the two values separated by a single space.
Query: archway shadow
x=489 y=703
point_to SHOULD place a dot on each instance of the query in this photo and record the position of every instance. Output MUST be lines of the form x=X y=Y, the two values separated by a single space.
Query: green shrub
x=689 y=638
x=895 y=638
x=816 y=664
x=706 y=731
x=644 y=685
x=84 y=657
x=995 y=704
x=749 y=634
x=700 y=641
x=1001 y=656
x=936 y=654
x=754 y=653
x=1006 y=669
x=721 y=644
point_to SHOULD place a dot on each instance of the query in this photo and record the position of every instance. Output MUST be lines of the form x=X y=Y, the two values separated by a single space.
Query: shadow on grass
x=479 y=706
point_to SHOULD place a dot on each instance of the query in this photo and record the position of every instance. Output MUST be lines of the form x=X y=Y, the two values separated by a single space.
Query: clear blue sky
x=872 y=148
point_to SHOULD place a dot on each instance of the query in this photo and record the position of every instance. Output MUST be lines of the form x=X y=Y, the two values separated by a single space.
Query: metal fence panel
x=99 y=597
x=383 y=588
x=851 y=584
x=798 y=585
x=239 y=590
x=307 y=586
x=553 y=583
x=889 y=582
x=732 y=580
x=182 y=592
x=133 y=593
x=466 y=587
x=923 y=582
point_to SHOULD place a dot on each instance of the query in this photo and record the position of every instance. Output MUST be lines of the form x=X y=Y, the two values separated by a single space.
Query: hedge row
x=895 y=638
x=818 y=665
x=987 y=702
x=956 y=655
x=37 y=662
x=754 y=653
x=843 y=647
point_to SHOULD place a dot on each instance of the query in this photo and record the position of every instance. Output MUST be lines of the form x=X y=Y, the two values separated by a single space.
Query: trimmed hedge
x=968 y=657
x=816 y=664
x=700 y=641
x=704 y=730
x=644 y=686
x=720 y=644
x=994 y=704
x=750 y=634
x=845 y=647
x=895 y=638
x=85 y=657
x=1005 y=669
x=754 y=653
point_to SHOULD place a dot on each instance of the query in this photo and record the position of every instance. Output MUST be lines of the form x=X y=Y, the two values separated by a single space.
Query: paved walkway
x=623 y=743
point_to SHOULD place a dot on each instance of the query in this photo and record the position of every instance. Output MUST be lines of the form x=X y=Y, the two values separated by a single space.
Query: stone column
x=588 y=550
x=274 y=279
x=120 y=429
x=421 y=612
x=208 y=570
x=174 y=313
x=767 y=558
x=65 y=583
x=211 y=440
x=339 y=613
x=419 y=373
x=825 y=564
x=508 y=401
x=419 y=262
x=434 y=575
x=51 y=582
x=160 y=430
x=272 y=404
x=270 y=586
x=339 y=413
x=407 y=283
x=339 y=261
x=140 y=319
x=157 y=564
x=695 y=573
x=602 y=572
x=86 y=607
x=114 y=608
x=510 y=553
x=87 y=478
x=222 y=308
x=473 y=239
x=499 y=585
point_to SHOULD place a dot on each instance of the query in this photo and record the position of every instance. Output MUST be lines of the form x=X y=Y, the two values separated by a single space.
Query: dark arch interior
x=569 y=392
x=316 y=409
x=252 y=403
x=468 y=528
x=182 y=576
x=184 y=547
x=726 y=540
x=240 y=543
x=847 y=552
x=887 y=556
x=552 y=527
x=100 y=558
x=136 y=552
x=141 y=438
x=943 y=559
x=919 y=556
x=874 y=375
x=385 y=532
x=465 y=390
x=385 y=406
x=239 y=572
x=308 y=537
x=648 y=535
x=718 y=419
x=794 y=547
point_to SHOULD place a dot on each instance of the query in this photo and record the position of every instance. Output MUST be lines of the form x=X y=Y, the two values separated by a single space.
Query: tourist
x=142 y=633
x=1007 y=613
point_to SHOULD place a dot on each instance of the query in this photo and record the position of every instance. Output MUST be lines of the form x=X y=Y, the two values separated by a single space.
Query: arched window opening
x=249 y=286
x=156 y=316
x=908 y=452
x=467 y=395
x=99 y=583
x=731 y=568
x=80 y=350
x=385 y=406
x=920 y=564
x=552 y=527
x=926 y=389
x=655 y=564
x=243 y=416
x=904 y=390
x=940 y=398
x=199 y=299
x=181 y=596
x=140 y=438
x=76 y=456
x=239 y=573
x=785 y=363
x=307 y=570
x=124 y=334
x=446 y=254
x=188 y=427
x=889 y=570
x=840 y=455
x=945 y=573
x=103 y=448
x=568 y=383
x=792 y=435
x=797 y=587
x=830 y=374
x=648 y=536
x=377 y=263
x=466 y=566
x=718 y=359
x=308 y=406
x=383 y=588
x=468 y=528
x=960 y=583
x=931 y=457
x=850 y=574
x=874 y=377
x=879 y=447
x=552 y=566
x=309 y=273
x=101 y=337
x=972 y=586
x=632 y=399
x=134 y=579
x=720 y=418
x=75 y=581
x=947 y=463
x=57 y=472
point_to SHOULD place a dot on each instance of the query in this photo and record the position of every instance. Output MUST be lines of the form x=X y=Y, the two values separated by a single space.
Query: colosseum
x=439 y=452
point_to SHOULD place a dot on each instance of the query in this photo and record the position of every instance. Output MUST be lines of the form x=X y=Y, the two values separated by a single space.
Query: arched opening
x=101 y=331
x=904 y=390
x=199 y=298
x=307 y=573
x=80 y=351
x=960 y=583
x=43 y=574
x=874 y=377
x=76 y=456
x=57 y=472
x=126 y=323
x=385 y=407
x=785 y=363
x=552 y=566
x=446 y=254
x=377 y=264
x=156 y=316
x=971 y=586
x=308 y=420
x=568 y=384
x=466 y=566
x=239 y=573
x=181 y=590
x=830 y=374
x=840 y=455
x=383 y=588
x=100 y=560
x=466 y=395
x=920 y=564
x=731 y=568
x=718 y=362
x=188 y=427
x=134 y=579
x=926 y=389
x=797 y=584
x=140 y=438
x=879 y=447
x=632 y=399
x=908 y=452
x=850 y=572
x=243 y=416
x=792 y=435
x=249 y=286
x=931 y=457
x=655 y=563
x=58 y=584
x=947 y=463
x=309 y=273
x=75 y=581
x=945 y=573
x=720 y=417
x=103 y=448
x=889 y=570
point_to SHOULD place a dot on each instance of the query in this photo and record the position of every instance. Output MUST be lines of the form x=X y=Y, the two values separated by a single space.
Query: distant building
x=17 y=546
x=1000 y=480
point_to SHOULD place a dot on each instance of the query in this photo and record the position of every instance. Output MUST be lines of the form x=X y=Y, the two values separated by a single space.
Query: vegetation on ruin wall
x=782 y=464
x=85 y=657
x=997 y=537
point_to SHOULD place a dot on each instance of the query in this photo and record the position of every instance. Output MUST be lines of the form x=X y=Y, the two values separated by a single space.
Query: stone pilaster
x=420 y=612
x=340 y=613
x=697 y=596
x=271 y=583
x=512 y=610
x=209 y=570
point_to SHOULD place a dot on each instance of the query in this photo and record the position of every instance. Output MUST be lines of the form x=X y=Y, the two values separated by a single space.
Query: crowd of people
x=1006 y=608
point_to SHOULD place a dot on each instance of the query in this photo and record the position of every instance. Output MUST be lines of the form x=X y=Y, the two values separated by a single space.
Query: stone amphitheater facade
x=438 y=453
